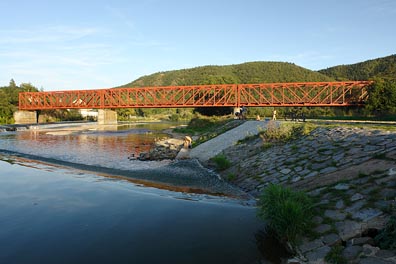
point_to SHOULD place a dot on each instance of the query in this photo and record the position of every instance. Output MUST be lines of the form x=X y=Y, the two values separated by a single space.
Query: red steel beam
x=264 y=94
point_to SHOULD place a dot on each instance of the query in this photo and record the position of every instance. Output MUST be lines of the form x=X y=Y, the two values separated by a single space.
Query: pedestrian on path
x=274 y=115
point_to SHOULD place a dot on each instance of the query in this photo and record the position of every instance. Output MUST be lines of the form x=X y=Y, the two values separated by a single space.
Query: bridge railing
x=234 y=95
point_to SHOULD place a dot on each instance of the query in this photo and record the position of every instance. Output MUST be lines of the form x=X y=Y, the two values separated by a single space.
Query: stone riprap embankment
x=350 y=171
x=304 y=161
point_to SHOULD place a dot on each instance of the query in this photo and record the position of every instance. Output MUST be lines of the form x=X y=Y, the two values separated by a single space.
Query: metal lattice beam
x=264 y=94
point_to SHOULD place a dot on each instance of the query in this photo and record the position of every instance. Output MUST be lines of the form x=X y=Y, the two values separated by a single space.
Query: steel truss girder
x=233 y=95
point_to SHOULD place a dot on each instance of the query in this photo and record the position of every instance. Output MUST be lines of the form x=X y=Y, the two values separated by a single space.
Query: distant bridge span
x=351 y=93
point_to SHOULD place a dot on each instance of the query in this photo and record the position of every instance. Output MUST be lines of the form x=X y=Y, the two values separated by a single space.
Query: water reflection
x=95 y=146
x=56 y=215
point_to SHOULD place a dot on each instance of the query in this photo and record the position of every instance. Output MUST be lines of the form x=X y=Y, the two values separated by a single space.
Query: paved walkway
x=211 y=148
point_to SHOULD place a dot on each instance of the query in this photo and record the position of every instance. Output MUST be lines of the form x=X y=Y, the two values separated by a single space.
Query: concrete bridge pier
x=107 y=117
x=25 y=117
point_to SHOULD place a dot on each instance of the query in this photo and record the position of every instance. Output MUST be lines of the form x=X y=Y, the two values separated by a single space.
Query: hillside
x=251 y=72
x=381 y=67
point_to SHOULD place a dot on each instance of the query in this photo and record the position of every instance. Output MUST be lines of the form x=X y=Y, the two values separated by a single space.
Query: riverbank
x=349 y=170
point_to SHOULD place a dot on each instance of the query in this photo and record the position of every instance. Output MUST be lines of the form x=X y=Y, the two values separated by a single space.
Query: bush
x=221 y=162
x=285 y=132
x=288 y=214
x=386 y=238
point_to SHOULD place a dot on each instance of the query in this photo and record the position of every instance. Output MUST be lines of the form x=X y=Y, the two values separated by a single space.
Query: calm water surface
x=54 y=214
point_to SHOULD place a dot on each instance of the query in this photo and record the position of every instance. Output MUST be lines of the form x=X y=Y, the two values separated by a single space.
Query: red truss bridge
x=350 y=93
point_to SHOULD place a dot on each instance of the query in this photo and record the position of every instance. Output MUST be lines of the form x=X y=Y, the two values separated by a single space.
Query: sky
x=92 y=44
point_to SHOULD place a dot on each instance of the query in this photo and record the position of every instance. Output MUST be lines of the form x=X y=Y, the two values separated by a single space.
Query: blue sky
x=84 y=44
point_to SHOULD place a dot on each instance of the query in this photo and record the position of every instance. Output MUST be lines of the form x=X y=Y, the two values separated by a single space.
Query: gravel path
x=211 y=148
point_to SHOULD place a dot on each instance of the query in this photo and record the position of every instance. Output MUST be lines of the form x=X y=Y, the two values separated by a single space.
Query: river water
x=52 y=213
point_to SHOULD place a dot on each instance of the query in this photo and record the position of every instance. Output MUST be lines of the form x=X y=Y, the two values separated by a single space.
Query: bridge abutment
x=25 y=117
x=107 y=117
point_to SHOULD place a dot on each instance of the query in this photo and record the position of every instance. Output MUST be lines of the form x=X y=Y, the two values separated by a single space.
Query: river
x=52 y=213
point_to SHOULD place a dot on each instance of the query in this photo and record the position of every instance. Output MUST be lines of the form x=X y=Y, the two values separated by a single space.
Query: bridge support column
x=107 y=117
x=25 y=117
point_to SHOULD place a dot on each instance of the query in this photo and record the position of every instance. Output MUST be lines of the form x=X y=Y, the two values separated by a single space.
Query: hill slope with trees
x=250 y=72
x=382 y=93
x=384 y=68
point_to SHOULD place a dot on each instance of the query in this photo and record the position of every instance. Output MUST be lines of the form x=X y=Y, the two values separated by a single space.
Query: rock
x=369 y=250
x=294 y=261
x=322 y=228
x=340 y=204
x=372 y=260
x=311 y=245
x=296 y=179
x=331 y=239
x=352 y=252
x=367 y=214
x=144 y=156
x=348 y=229
x=360 y=241
x=317 y=219
x=378 y=222
x=392 y=171
x=316 y=192
x=356 y=197
x=318 y=255
x=380 y=181
x=388 y=194
x=328 y=170
x=298 y=169
x=341 y=186
x=312 y=174
x=355 y=207
x=338 y=157
x=385 y=254
x=285 y=171
x=336 y=215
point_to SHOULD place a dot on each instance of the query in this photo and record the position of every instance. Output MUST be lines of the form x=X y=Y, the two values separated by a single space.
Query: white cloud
x=46 y=34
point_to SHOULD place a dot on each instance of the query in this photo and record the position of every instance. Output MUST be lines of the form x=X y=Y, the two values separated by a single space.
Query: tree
x=12 y=84
x=382 y=97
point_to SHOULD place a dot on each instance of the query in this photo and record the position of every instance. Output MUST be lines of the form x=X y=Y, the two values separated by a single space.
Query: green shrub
x=221 y=162
x=386 y=238
x=287 y=213
x=285 y=132
x=231 y=177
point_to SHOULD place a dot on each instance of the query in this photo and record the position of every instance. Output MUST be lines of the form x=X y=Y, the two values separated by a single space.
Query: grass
x=285 y=132
x=335 y=255
x=231 y=177
x=221 y=161
x=287 y=213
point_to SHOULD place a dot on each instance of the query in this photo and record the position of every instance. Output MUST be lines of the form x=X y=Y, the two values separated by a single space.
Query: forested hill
x=251 y=72
x=384 y=68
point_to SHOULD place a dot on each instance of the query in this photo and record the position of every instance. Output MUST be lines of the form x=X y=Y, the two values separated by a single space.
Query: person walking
x=274 y=115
